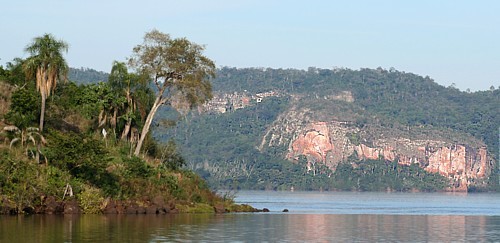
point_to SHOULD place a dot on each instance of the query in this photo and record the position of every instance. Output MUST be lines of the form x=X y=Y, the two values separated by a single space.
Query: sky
x=452 y=41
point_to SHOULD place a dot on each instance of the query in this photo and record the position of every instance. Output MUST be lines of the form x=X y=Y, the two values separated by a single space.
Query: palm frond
x=15 y=140
x=11 y=129
x=46 y=63
x=32 y=139
x=32 y=129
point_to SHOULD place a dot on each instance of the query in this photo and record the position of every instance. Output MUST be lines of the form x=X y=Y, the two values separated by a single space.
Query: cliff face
x=465 y=163
x=462 y=164
x=314 y=143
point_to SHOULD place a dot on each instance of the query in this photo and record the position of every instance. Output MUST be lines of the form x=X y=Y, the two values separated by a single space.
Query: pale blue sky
x=452 y=41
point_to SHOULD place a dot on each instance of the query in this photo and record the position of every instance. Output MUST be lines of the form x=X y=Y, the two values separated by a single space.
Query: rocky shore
x=156 y=205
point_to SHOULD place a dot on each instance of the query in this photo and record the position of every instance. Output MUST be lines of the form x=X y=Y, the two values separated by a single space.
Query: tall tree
x=178 y=69
x=120 y=82
x=134 y=90
x=47 y=65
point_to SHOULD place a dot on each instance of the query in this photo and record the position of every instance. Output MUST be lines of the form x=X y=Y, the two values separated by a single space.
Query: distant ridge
x=277 y=128
x=86 y=75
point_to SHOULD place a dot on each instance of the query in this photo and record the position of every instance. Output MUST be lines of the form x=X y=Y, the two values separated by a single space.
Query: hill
x=86 y=75
x=333 y=129
x=80 y=164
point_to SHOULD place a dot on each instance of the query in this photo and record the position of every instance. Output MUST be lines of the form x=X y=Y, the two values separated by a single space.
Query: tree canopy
x=47 y=65
x=87 y=138
x=178 y=70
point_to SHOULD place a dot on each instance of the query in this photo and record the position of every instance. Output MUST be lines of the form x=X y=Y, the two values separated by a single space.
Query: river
x=312 y=217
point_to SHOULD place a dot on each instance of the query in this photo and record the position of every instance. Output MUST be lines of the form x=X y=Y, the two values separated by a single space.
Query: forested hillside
x=85 y=147
x=86 y=75
x=77 y=156
x=405 y=97
x=224 y=146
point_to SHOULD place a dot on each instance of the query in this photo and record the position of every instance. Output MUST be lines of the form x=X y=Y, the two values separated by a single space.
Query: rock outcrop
x=466 y=163
x=314 y=143
x=222 y=103
x=462 y=164
x=156 y=205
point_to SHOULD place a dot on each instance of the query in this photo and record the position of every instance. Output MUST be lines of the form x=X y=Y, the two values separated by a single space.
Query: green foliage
x=46 y=65
x=18 y=179
x=195 y=208
x=55 y=181
x=75 y=155
x=86 y=75
x=25 y=182
x=222 y=147
x=24 y=108
x=170 y=157
x=150 y=146
x=381 y=175
x=401 y=97
x=169 y=183
x=28 y=139
x=84 y=157
x=354 y=138
x=200 y=140
x=86 y=165
x=94 y=98
x=14 y=73
x=241 y=130
x=178 y=69
x=91 y=200
x=235 y=208
x=65 y=101
x=135 y=167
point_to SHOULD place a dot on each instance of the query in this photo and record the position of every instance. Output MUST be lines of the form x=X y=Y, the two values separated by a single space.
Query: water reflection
x=249 y=227
x=407 y=228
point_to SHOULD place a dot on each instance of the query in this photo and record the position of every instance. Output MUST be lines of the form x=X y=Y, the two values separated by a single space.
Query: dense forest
x=223 y=147
x=68 y=147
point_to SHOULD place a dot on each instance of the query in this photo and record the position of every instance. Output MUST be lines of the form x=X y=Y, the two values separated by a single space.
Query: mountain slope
x=262 y=119
x=86 y=75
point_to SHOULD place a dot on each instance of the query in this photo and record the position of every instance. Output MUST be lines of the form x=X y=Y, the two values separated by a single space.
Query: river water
x=312 y=217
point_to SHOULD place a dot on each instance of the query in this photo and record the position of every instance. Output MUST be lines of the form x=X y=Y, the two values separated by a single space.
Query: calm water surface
x=485 y=204
x=313 y=217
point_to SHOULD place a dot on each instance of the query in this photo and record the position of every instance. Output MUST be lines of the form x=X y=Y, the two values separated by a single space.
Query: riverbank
x=156 y=205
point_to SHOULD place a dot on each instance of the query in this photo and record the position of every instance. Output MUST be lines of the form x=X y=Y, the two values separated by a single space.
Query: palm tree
x=47 y=65
x=26 y=135
x=120 y=82
x=132 y=96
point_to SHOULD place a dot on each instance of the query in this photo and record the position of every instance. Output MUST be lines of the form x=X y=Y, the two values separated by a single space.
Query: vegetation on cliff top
x=83 y=148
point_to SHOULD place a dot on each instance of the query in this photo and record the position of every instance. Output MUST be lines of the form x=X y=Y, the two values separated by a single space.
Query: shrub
x=170 y=157
x=195 y=208
x=91 y=200
x=83 y=157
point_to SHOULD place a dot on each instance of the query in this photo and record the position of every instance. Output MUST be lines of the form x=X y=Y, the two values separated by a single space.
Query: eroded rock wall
x=332 y=142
